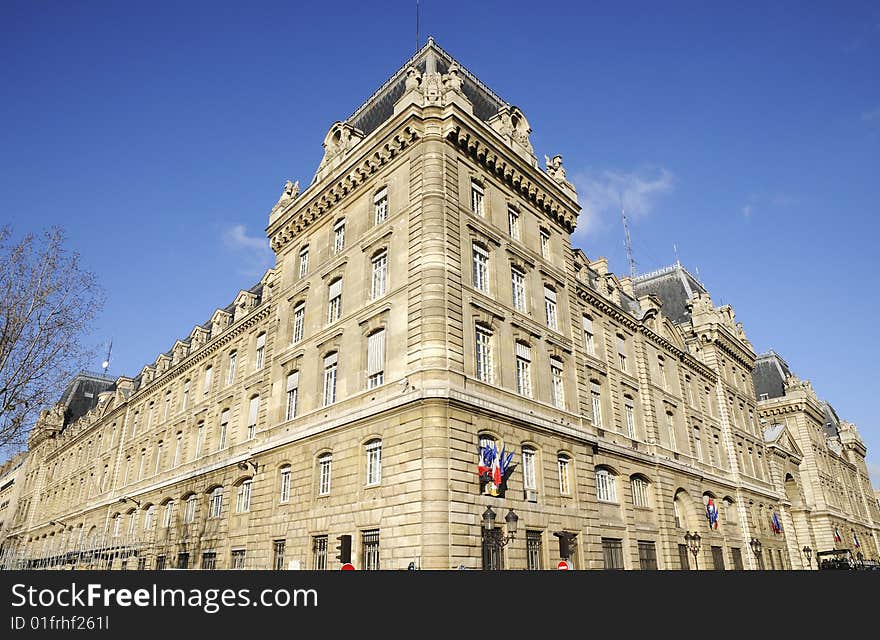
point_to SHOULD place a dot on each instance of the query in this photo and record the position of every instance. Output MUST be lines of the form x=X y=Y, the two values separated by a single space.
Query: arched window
x=284 y=483
x=373 y=450
x=243 y=499
x=149 y=516
x=563 y=467
x=189 y=511
x=325 y=461
x=606 y=485
x=529 y=472
x=640 y=491
x=168 y=519
x=215 y=502
x=117 y=522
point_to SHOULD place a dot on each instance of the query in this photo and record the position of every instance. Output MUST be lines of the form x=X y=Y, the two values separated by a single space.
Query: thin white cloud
x=258 y=255
x=603 y=192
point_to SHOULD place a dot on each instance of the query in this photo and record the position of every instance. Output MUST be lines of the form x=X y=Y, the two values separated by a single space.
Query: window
x=523 y=369
x=380 y=206
x=215 y=503
x=670 y=429
x=168 y=518
x=606 y=486
x=261 y=349
x=589 y=338
x=533 y=550
x=612 y=552
x=379 y=280
x=481 y=268
x=285 y=484
x=376 y=359
x=178 y=445
x=339 y=236
x=117 y=521
x=141 y=464
x=684 y=561
x=132 y=523
x=303 y=261
x=209 y=561
x=134 y=423
x=183 y=560
x=158 y=457
x=237 y=559
x=253 y=408
x=319 y=553
x=299 y=317
x=545 y=244
x=278 y=554
x=224 y=429
x=230 y=371
x=324 y=463
x=370 y=547
x=518 y=288
x=149 y=416
x=717 y=558
x=185 y=402
x=484 y=354
x=292 y=393
x=330 y=379
x=513 y=223
x=550 y=307
x=142 y=564
x=698 y=445
x=662 y=371
x=200 y=439
x=596 y=398
x=373 y=451
x=563 y=463
x=557 y=385
x=493 y=555
x=160 y=563
x=688 y=394
x=630 y=415
x=167 y=412
x=647 y=555
x=243 y=499
x=148 y=517
x=736 y=554
x=752 y=422
x=334 y=308
x=189 y=509
x=621 y=352
x=528 y=462
x=206 y=387
x=477 y=199
x=640 y=492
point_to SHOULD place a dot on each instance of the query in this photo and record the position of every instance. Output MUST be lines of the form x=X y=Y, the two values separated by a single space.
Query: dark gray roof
x=380 y=106
x=81 y=394
x=674 y=285
x=832 y=421
x=769 y=375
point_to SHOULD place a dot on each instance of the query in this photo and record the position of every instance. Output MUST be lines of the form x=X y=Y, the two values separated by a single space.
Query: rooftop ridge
x=667 y=269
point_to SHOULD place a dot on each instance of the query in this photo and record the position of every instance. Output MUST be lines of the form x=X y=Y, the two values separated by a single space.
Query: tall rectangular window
x=523 y=370
x=224 y=429
x=640 y=492
x=158 y=457
x=483 y=354
x=303 y=261
x=379 y=279
x=596 y=399
x=518 y=289
x=183 y=560
x=589 y=336
x=698 y=445
x=373 y=451
x=209 y=561
x=718 y=558
x=284 y=484
x=621 y=353
x=513 y=223
x=329 y=395
x=167 y=405
x=215 y=503
x=528 y=462
x=533 y=550
x=259 y=353
x=380 y=206
x=185 y=402
x=684 y=561
x=237 y=559
x=292 y=393
x=230 y=371
x=178 y=445
x=477 y=199
x=563 y=463
x=243 y=499
x=557 y=384
x=688 y=392
x=206 y=387
x=481 y=268
x=299 y=319
x=253 y=408
x=200 y=439
x=545 y=244
x=278 y=554
x=339 y=236
x=334 y=307
x=325 y=463
x=376 y=359
x=630 y=415
x=550 y=307
x=670 y=429
x=647 y=555
x=189 y=510
x=370 y=548
x=661 y=368
x=168 y=518
x=736 y=554
x=319 y=553
x=612 y=553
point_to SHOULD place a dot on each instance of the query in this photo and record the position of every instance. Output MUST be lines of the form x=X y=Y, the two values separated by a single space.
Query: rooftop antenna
x=106 y=364
x=675 y=251
x=627 y=241
x=417 y=25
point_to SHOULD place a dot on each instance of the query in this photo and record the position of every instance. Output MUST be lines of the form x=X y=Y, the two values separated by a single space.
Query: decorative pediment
x=219 y=321
x=198 y=337
x=163 y=363
x=512 y=125
x=341 y=139
x=179 y=351
x=148 y=373
x=779 y=436
x=244 y=303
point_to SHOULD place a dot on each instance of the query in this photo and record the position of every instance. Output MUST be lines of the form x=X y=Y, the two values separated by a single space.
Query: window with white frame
x=670 y=429
x=563 y=466
x=557 y=383
x=200 y=438
x=215 y=503
x=189 y=509
x=698 y=444
x=230 y=369
x=178 y=446
x=329 y=394
x=149 y=515
x=379 y=276
x=523 y=369
x=530 y=480
x=606 y=486
x=141 y=464
x=303 y=261
x=259 y=353
x=159 y=447
x=224 y=429
x=477 y=197
x=514 y=223
x=334 y=307
x=132 y=523
x=550 y=307
x=339 y=236
x=167 y=405
x=206 y=387
x=688 y=392
x=243 y=499
x=185 y=401
x=168 y=518
x=284 y=484
x=380 y=206
x=325 y=462
x=596 y=399
x=253 y=409
x=630 y=416
x=483 y=340
x=621 y=352
x=661 y=368
x=545 y=244
x=149 y=416
x=292 y=395
x=481 y=268
x=373 y=451
x=518 y=288
x=589 y=336
x=299 y=321
x=376 y=359
x=134 y=423
x=117 y=522
x=640 y=492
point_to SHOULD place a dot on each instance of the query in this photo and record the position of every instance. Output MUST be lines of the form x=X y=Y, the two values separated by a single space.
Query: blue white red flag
x=712 y=514
x=775 y=523
x=837 y=537
x=856 y=540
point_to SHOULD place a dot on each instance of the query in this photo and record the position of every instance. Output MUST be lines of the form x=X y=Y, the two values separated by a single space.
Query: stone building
x=425 y=307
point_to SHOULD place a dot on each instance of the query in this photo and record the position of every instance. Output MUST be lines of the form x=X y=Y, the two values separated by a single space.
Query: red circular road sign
x=563 y=565
x=348 y=567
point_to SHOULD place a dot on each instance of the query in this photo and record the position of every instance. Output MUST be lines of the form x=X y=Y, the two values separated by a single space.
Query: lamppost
x=808 y=554
x=693 y=543
x=127 y=499
x=494 y=539
x=755 y=544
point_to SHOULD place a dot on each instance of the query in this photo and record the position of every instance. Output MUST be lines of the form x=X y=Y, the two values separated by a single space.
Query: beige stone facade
x=426 y=296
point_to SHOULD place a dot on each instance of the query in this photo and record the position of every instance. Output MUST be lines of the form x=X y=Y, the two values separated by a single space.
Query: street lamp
x=127 y=499
x=693 y=543
x=755 y=544
x=58 y=522
x=495 y=536
x=808 y=554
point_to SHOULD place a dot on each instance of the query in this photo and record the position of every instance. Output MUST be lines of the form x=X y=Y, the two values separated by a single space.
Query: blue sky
x=160 y=135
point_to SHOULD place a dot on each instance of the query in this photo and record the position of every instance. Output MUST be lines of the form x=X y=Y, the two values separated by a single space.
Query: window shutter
x=261 y=341
x=339 y=224
x=588 y=325
x=330 y=360
x=481 y=251
x=381 y=193
x=376 y=352
x=224 y=417
x=336 y=288
x=621 y=345
x=549 y=294
x=293 y=381
x=523 y=351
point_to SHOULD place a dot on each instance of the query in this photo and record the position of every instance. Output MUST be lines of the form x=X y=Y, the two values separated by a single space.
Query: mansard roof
x=675 y=286
x=769 y=375
x=81 y=394
x=379 y=107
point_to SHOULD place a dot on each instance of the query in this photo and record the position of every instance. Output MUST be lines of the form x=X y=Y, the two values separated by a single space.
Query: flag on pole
x=837 y=537
x=775 y=524
x=856 y=540
x=712 y=514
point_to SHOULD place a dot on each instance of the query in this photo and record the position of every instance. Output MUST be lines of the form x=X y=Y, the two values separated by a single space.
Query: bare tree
x=47 y=303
